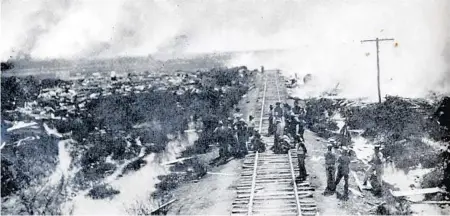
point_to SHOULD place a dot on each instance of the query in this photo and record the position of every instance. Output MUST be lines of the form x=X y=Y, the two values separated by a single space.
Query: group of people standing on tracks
x=287 y=124
x=236 y=136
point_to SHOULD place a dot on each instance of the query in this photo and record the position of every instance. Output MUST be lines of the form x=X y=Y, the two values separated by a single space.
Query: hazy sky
x=323 y=35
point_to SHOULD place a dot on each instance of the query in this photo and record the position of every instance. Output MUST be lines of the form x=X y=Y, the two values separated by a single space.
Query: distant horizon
x=155 y=56
x=322 y=37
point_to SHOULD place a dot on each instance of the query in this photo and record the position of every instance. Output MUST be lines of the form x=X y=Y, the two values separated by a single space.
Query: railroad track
x=267 y=184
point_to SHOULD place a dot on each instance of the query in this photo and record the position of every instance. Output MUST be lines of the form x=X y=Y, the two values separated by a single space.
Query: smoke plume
x=321 y=37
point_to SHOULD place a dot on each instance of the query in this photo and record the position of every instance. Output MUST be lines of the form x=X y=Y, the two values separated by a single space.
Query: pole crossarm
x=380 y=39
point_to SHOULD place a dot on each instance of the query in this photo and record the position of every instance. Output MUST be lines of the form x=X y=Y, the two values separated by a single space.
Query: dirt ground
x=212 y=195
x=331 y=205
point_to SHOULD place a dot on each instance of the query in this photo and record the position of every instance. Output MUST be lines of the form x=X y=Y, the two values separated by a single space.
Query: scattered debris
x=416 y=192
x=180 y=160
x=51 y=131
x=20 y=125
x=161 y=208
x=357 y=193
x=360 y=186
x=225 y=174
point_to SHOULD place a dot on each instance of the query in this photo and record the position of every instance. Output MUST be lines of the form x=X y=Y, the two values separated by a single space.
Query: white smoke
x=322 y=36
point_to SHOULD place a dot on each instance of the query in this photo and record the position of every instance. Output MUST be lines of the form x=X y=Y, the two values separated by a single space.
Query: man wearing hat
x=330 y=161
x=301 y=155
x=251 y=125
x=345 y=137
x=271 y=120
x=298 y=110
x=376 y=165
x=299 y=129
x=343 y=170
x=278 y=133
x=230 y=121
x=258 y=145
x=222 y=133
x=278 y=111
x=237 y=115
x=286 y=110
x=240 y=135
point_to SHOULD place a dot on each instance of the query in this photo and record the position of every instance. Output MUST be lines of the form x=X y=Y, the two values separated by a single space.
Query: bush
x=19 y=163
x=410 y=153
x=169 y=182
x=135 y=165
x=96 y=171
x=433 y=178
x=20 y=90
x=102 y=192
x=396 y=117
x=10 y=183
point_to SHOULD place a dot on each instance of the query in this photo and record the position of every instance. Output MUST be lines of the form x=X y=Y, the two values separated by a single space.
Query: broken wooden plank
x=162 y=206
x=357 y=193
x=218 y=173
x=20 y=125
x=360 y=186
x=431 y=202
x=177 y=161
x=416 y=192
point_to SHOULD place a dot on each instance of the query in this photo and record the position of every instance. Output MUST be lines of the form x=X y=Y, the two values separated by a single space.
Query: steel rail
x=290 y=161
x=297 y=199
x=255 y=166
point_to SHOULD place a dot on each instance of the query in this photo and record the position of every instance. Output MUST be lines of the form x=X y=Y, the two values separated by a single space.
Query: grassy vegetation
x=318 y=113
x=193 y=169
x=168 y=113
x=188 y=171
x=106 y=132
x=399 y=124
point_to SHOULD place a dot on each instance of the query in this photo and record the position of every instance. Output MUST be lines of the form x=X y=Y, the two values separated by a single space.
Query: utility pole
x=377 y=40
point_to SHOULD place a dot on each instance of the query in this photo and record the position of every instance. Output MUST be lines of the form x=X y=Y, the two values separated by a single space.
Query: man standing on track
x=343 y=170
x=301 y=155
x=279 y=126
x=278 y=111
x=250 y=132
x=330 y=161
x=299 y=128
x=278 y=134
x=271 y=121
x=300 y=115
